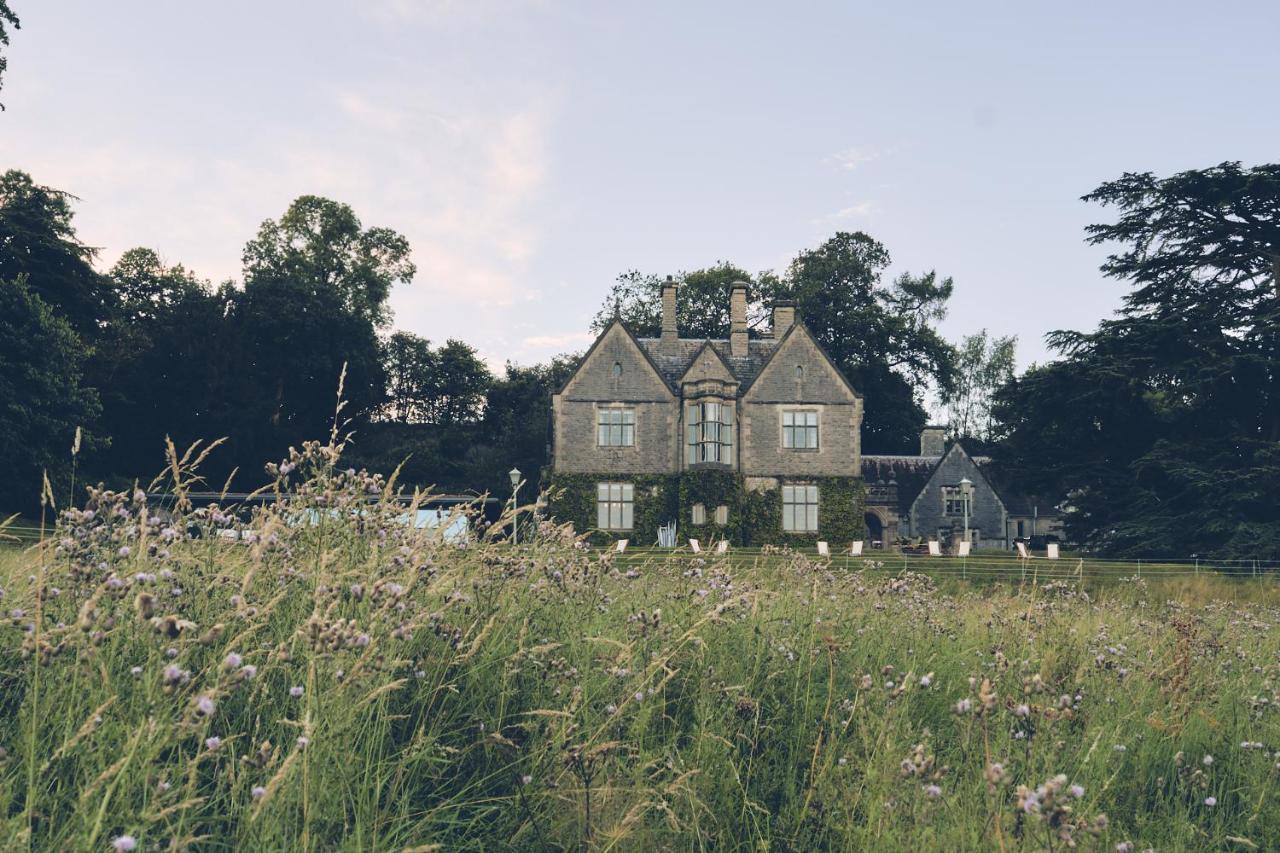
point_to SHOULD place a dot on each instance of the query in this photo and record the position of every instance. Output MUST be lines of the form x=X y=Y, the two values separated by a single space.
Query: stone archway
x=875 y=527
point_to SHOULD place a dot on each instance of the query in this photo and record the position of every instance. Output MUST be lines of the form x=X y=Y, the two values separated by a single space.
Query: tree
x=163 y=364
x=411 y=367
x=462 y=381
x=37 y=240
x=1172 y=407
x=445 y=386
x=702 y=302
x=319 y=244
x=42 y=399
x=881 y=336
x=983 y=366
x=7 y=19
x=315 y=291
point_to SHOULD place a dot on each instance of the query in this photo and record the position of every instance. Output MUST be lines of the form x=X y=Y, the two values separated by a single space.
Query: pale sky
x=532 y=151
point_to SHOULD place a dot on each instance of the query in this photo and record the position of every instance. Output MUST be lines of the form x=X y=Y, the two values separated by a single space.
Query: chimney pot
x=933 y=440
x=670 y=333
x=784 y=317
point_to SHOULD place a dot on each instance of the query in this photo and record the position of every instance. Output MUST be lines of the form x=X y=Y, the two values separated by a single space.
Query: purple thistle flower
x=204 y=706
x=212 y=743
x=296 y=691
x=231 y=661
x=248 y=671
x=124 y=843
x=258 y=792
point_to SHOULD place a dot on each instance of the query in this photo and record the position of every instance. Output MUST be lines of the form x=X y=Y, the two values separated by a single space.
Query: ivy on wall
x=755 y=517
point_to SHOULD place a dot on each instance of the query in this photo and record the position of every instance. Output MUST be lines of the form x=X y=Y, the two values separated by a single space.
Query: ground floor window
x=615 y=506
x=800 y=509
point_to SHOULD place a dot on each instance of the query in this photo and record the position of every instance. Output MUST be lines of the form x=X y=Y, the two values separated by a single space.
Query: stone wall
x=987 y=512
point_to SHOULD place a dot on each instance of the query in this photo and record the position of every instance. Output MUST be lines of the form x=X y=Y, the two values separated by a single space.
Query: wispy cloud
x=860 y=210
x=855 y=157
x=559 y=343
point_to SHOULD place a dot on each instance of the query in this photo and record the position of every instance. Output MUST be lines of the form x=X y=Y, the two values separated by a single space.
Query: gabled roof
x=673 y=361
x=977 y=471
x=586 y=358
x=796 y=328
x=703 y=351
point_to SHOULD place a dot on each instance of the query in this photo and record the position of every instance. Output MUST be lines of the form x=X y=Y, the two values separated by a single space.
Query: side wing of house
x=616 y=414
x=939 y=507
x=800 y=417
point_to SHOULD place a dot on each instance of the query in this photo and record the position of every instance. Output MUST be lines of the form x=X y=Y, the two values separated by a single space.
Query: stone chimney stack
x=670 y=334
x=738 y=320
x=933 y=440
x=784 y=317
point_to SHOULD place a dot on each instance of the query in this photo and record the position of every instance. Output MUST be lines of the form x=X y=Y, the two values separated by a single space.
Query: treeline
x=145 y=350
x=1159 y=431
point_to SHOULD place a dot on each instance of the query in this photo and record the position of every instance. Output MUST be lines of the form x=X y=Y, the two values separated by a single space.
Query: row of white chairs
x=855 y=548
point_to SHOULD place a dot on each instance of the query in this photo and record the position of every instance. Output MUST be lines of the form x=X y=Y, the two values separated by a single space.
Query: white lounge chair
x=694 y=546
x=855 y=549
x=622 y=546
x=824 y=550
x=935 y=550
x=722 y=547
x=964 y=549
x=1053 y=551
x=1022 y=550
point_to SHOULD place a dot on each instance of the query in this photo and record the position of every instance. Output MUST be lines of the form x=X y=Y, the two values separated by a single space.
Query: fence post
x=1197 y=565
x=1139 y=567
x=1255 y=568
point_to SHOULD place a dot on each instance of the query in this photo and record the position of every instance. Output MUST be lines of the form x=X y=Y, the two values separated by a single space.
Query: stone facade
x=774 y=413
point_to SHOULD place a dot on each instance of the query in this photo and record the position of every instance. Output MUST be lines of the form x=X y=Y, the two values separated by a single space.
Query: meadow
x=353 y=683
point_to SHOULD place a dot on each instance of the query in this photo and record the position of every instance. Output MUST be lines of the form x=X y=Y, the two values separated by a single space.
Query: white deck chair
x=622 y=546
x=694 y=546
x=1053 y=551
x=935 y=550
x=722 y=547
x=855 y=549
x=1022 y=550
x=824 y=550
x=964 y=549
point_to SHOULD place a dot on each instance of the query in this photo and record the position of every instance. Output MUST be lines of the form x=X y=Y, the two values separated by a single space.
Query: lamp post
x=516 y=483
x=966 y=491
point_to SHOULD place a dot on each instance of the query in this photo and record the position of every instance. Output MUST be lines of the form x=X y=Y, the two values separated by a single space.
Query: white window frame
x=955 y=495
x=615 y=506
x=800 y=508
x=698 y=515
x=615 y=426
x=801 y=429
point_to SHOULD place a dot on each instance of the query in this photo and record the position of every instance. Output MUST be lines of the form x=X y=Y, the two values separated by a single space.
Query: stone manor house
x=754 y=440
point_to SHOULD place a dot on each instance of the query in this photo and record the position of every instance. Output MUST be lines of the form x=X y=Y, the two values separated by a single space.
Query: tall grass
x=354 y=683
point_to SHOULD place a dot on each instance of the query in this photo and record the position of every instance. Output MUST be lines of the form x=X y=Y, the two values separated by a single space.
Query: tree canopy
x=881 y=335
x=1161 y=425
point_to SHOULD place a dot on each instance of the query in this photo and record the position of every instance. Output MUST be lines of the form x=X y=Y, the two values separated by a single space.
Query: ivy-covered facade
x=753 y=439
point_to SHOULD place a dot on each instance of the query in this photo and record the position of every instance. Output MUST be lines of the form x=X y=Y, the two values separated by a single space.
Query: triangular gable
x=977 y=476
x=617 y=344
x=708 y=364
x=799 y=335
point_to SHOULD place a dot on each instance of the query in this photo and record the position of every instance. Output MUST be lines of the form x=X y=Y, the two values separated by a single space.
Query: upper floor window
x=615 y=506
x=709 y=432
x=615 y=427
x=800 y=430
x=955 y=501
x=699 y=515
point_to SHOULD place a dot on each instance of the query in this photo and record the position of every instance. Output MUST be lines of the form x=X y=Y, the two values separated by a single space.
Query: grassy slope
x=652 y=701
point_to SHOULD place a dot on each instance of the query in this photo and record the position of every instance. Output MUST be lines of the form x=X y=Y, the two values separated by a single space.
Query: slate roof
x=674 y=361
x=911 y=473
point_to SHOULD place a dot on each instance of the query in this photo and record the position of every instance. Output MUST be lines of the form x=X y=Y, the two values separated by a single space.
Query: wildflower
x=1210 y=801
x=611 y=709
x=639 y=697
x=926 y=680
x=303 y=740
x=124 y=843
x=1023 y=710
x=204 y=706
x=171 y=652
x=231 y=661
x=124 y=552
x=212 y=743
x=866 y=682
x=933 y=791
x=1077 y=791
x=1207 y=760
x=526 y=779
x=842 y=761
x=135 y=671
x=296 y=691
x=163 y=786
x=258 y=792
x=248 y=671
x=1124 y=847
x=963 y=706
